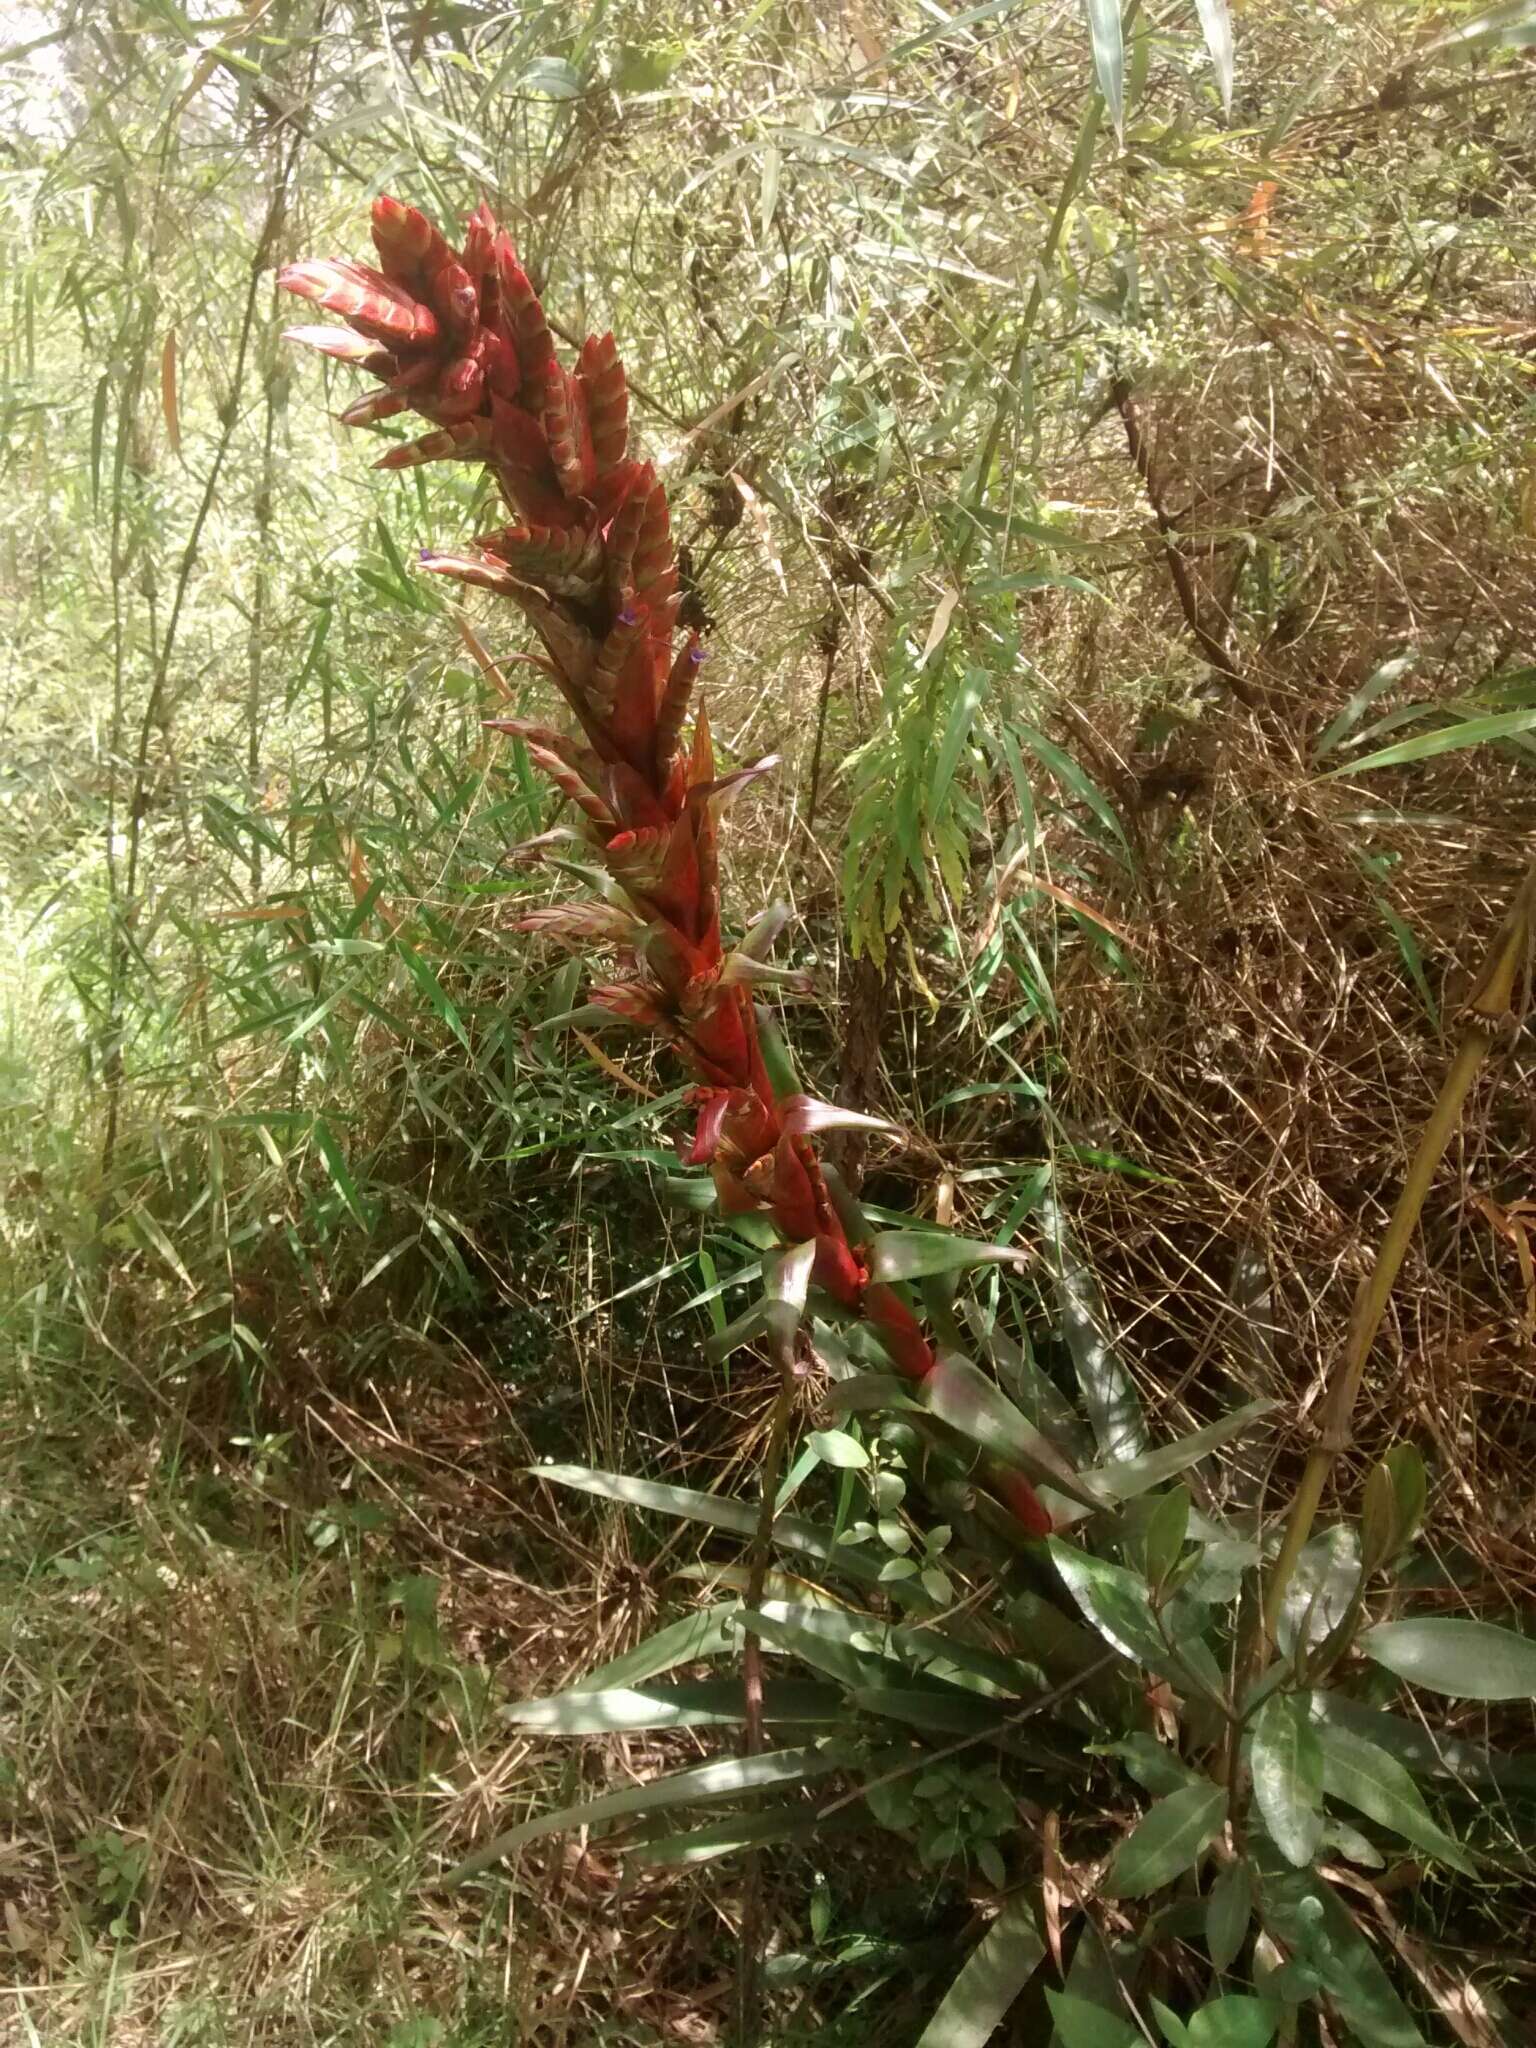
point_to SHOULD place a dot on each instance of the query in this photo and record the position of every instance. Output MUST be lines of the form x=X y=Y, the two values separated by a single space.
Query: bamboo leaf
x=702 y=1634
x=1450 y=739
x=1170 y=1837
x=1216 y=27
x=1108 y=57
x=168 y=400
x=991 y=1978
x=788 y=1530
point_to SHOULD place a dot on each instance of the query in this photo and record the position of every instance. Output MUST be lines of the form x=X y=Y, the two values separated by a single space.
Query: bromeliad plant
x=461 y=338
x=1062 y=1620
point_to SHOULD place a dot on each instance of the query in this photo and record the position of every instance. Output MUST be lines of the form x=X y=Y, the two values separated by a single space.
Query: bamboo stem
x=1487 y=1010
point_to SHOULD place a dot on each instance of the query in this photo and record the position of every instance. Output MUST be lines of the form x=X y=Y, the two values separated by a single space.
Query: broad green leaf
x=913 y=1254
x=1228 y=1910
x=1235 y=2021
x=1306 y=1917
x=1427 y=1755
x=1127 y=1477
x=1169 y=1839
x=1287 y=1764
x=1166 y=1530
x=708 y=1702
x=726 y=1779
x=990 y=1979
x=1450 y=739
x=1108 y=57
x=1169 y=2025
x=1118 y=1604
x=1216 y=26
x=1470 y=1660
x=1326 y=1580
x=837 y=1447
x=1155 y=1767
x=1366 y=1778
x=1081 y=2024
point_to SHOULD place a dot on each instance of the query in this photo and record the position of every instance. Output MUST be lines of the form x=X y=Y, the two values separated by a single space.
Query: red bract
x=460 y=338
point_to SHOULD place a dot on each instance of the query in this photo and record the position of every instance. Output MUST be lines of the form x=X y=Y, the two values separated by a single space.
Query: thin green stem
x=1491 y=1002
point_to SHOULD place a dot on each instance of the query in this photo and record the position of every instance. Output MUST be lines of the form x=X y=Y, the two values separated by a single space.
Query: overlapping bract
x=460 y=338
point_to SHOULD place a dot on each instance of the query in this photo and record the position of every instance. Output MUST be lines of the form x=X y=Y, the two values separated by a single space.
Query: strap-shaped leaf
x=1365 y=1777
x=790 y=1531
x=1125 y=1478
x=706 y=1703
x=1169 y=1838
x=897 y=1255
x=990 y=1979
x=1108 y=56
x=699 y=1635
x=786 y=1282
x=960 y=1394
x=1287 y=1764
x=727 y=1778
x=1108 y=1393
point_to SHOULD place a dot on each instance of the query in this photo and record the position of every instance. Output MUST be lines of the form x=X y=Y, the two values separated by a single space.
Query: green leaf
x=1427 y=1754
x=1235 y=2021
x=1108 y=57
x=788 y=1530
x=1108 y=1394
x=707 y=1703
x=725 y=1779
x=1377 y=1785
x=1449 y=739
x=1166 y=1530
x=1287 y=1765
x=1170 y=2026
x=1411 y=1487
x=1128 y=1477
x=1168 y=1840
x=1228 y=1910
x=1381 y=678
x=914 y=1254
x=960 y=1394
x=1470 y=1660
x=1308 y=1919
x=1081 y=2024
x=1118 y=1604
x=991 y=1978
x=837 y=1447
x=702 y=1634
x=1216 y=26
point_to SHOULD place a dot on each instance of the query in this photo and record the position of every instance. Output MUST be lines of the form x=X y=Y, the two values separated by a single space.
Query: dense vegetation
x=1102 y=473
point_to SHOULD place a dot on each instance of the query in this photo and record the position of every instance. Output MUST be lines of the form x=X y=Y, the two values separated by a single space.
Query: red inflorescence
x=460 y=338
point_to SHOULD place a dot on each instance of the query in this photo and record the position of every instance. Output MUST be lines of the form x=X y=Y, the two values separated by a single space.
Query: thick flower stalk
x=460 y=338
